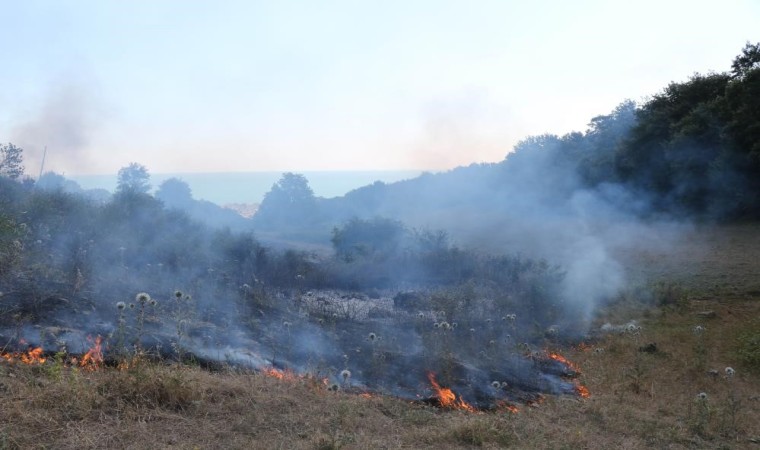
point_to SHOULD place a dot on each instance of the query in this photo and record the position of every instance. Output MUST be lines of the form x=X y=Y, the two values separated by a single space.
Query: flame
x=579 y=388
x=279 y=374
x=447 y=397
x=31 y=356
x=563 y=360
x=93 y=359
x=582 y=390
x=502 y=405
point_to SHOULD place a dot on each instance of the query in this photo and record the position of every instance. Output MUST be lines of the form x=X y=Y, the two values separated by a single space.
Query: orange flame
x=93 y=359
x=582 y=390
x=279 y=374
x=502 y=405
x=447 y=397
x=31 y=356
x=579 y=388
x=563 y=360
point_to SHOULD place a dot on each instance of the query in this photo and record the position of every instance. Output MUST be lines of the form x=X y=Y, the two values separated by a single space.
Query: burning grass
x=447 y=398
x=31 y=356
x=644 y=395
x=150 y=404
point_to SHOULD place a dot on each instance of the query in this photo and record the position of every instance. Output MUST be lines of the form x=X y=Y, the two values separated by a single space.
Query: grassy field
x=709 y=278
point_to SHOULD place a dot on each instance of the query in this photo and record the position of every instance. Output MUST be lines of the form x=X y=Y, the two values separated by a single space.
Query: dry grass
x=639 y=399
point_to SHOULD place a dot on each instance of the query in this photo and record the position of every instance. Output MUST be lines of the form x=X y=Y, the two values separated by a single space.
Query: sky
x=191 y=86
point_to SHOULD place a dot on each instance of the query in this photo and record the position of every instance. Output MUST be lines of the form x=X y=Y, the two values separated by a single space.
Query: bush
x=11 y=245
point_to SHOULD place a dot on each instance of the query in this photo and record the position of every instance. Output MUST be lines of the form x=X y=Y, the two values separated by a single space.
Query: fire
x=279 y=374
x=502 y=405
x=31 y=356
x=563 y=360
x=447 y=397
x=93 y=359
x=582 y=390
x=579 y=388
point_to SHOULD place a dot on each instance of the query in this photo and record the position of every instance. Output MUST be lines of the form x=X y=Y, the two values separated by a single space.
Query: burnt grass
x=639 y=398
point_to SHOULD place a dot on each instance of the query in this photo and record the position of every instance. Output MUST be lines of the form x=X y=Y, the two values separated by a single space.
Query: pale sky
x=216 y=86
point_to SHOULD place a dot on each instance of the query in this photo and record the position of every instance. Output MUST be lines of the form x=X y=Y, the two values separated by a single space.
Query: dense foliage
x=55 y=243
x=11 y=161
x=691 y=150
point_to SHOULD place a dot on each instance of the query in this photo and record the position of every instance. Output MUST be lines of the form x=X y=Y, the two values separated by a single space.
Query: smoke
x=468 y=120
x=481 y=325
x=65 y=121
x=536 y=203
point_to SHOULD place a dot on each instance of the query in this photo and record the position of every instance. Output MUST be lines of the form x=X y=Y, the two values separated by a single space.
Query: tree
x=175 y=193
x=378 y=238
x=133 y=178
x=52 y=181
x=290 y=203
x=11 y=160
x=676 y=139
x=747 y=61
x=605 y=135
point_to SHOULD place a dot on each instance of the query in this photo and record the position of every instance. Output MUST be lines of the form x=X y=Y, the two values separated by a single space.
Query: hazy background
x=250 y=187
x=338 y=85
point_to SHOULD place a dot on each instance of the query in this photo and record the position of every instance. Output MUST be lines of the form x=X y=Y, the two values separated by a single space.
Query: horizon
x=249 y=187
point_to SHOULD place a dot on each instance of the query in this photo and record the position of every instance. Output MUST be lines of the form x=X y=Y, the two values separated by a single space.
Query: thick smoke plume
x=472 y=276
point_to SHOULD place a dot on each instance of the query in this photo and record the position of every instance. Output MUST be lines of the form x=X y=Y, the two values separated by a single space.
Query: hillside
x=687 y=153
x=592 y=290
x=638 y=399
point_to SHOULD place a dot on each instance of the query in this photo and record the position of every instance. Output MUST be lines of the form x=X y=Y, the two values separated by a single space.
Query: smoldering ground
x=527 y=253
x=221 y=297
